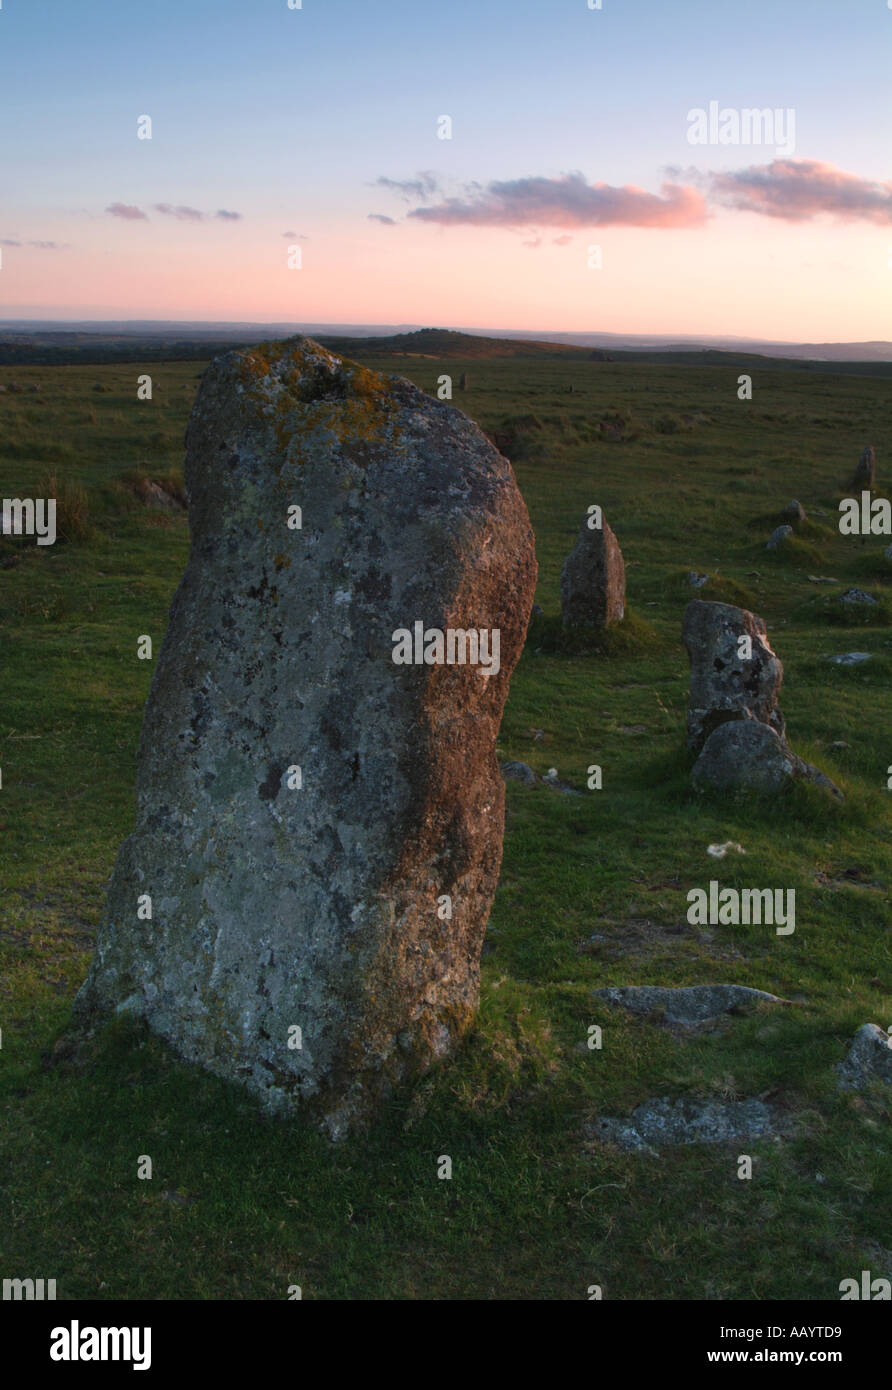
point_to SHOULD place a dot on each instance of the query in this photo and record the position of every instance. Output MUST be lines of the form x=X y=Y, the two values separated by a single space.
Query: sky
x=297 y=170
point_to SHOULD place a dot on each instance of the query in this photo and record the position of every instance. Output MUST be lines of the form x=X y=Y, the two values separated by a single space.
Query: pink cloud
x=127 y=211
x=568 y=201
x=798 y=189
x=181 y=213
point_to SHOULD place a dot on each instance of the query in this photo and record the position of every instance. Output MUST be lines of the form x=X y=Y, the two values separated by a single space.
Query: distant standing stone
x=319 y=826
x=593 y=578
x=777 y=536
x=793 y=512
x=865 y=474
x=463 y=382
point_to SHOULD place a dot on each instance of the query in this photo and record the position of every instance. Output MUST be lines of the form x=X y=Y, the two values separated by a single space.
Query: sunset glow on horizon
x=569 y=194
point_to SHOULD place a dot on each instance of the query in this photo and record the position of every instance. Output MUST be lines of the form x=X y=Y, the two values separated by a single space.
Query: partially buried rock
x=856 y=597
x=593 y=577
x=749 y=756
x=302 y=904
x=689 y=1006
x=519 y=772
x=156 y=497
x=656 y=1123
x=865 y=474
x=869 y=1059
x=778 y=536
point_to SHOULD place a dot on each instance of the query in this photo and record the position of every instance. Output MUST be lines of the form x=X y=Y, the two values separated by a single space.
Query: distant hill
x=446 y=342
x=59 y=344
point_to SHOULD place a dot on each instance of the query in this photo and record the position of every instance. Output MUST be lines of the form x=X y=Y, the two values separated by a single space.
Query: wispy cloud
x=568 y=201
x=127 y=211
x=379 y=217
x=180 y=212
x=796 y=190
x=38 y=245
x=424 y=185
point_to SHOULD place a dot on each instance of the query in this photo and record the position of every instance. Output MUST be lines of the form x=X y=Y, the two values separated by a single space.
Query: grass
x=593 y=887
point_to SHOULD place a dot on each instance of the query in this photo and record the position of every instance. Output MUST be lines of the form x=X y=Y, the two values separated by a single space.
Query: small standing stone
x=865 y=474
x=734 y=722
x=593 y=578
x=793 y=512
x=726 y=683
x=778 y=536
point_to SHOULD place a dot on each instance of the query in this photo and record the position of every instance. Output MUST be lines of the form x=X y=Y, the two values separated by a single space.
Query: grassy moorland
x=593 y=888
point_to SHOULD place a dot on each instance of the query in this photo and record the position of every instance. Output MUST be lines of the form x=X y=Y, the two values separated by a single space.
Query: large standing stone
x=593 y=578
x=726 y=683
x=309 y=812
x=865 y=474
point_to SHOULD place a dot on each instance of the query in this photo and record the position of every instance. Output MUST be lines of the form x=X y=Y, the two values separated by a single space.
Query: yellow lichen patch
x=281 y=562
x=306 y=390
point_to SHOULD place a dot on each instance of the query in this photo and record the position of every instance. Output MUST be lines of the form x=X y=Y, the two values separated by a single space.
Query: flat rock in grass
x=304 y=801
x=850 y=658
x=519 y=772
x=857 y=596
x=551 y=779
x=869 y=1059
x=777 y=536
x=865 y=474
x=688 y=1006
x=593 y=579
x=726 y=685
x=657 y=1123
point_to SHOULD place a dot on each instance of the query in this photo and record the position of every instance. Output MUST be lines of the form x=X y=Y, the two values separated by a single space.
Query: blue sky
x=288 y=117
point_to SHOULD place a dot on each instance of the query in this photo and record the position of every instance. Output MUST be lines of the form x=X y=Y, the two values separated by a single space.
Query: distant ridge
x=72 y=344
x=50 y=332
